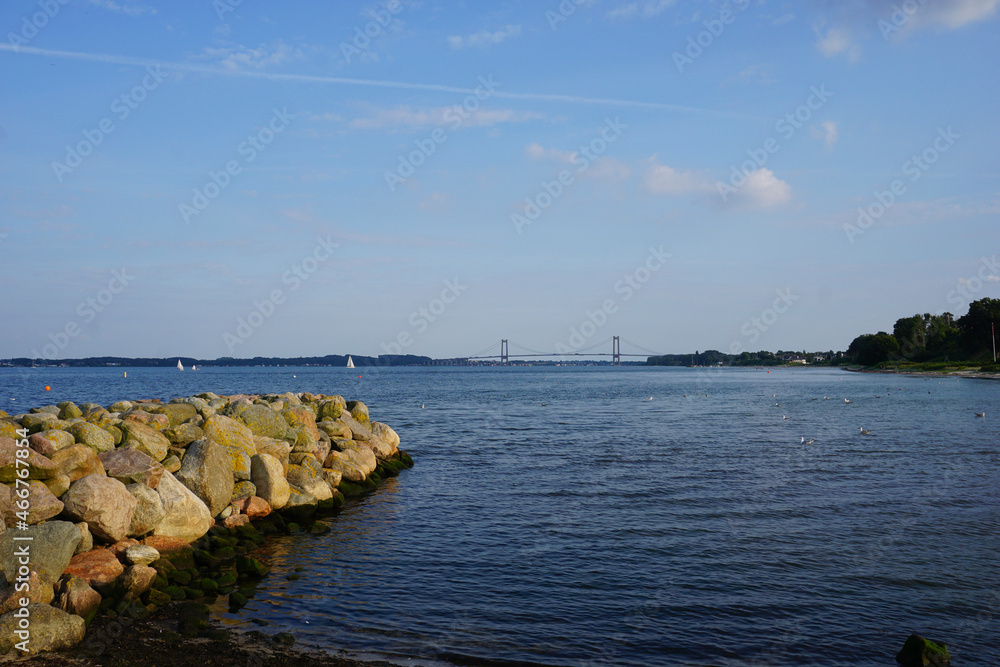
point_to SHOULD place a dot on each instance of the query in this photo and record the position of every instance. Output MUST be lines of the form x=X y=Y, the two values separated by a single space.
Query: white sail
x=350 y=362
x=180 y=366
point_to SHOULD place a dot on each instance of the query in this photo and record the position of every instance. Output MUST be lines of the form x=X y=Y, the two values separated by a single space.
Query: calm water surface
x=605 y=528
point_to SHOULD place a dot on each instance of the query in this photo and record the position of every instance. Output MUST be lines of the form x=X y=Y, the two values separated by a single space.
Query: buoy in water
x=47 y=388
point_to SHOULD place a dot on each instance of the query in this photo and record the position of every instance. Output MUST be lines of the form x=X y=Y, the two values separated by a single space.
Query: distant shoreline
x=972 y=375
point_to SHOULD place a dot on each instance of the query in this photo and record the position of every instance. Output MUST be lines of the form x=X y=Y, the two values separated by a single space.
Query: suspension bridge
x=504 y=355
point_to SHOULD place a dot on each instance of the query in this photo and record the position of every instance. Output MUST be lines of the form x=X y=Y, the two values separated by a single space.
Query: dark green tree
x=976 y=327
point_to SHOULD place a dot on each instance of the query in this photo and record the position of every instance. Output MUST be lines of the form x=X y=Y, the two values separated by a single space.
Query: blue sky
x=266 y=179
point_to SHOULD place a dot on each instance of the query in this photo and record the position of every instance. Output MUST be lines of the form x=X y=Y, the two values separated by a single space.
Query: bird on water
x=863 y=431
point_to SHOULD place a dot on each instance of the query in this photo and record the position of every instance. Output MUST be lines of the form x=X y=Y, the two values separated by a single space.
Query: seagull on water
x=863 y=431
x=847 y=400
x=650 y=398
x=980 y=414
x=783 y=417
x=809 y=441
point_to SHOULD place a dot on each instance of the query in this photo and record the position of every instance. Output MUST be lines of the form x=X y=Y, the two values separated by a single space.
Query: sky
x=248 y=177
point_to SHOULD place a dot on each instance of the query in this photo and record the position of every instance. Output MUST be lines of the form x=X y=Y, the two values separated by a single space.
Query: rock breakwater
x=125 y=508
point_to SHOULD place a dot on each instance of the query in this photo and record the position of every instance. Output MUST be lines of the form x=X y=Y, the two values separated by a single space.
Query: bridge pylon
x=616 y=351
x=504 y=354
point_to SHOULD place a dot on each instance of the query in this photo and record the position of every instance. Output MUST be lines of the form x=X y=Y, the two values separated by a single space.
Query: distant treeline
x=328 y=360
x=761 y=358
x=933 y=338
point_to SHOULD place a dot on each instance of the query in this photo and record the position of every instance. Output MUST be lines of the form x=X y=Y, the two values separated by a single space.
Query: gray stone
x=94 y=437
x=187 y=517
x=264 y=421
x=129 y=466
x=86 y=539
x=140 y=554
x=149 y=510
x=104 y=503
x=144 y=438
x=51 y=629
x=207 y=471
x=52 y=546
x=267 y=474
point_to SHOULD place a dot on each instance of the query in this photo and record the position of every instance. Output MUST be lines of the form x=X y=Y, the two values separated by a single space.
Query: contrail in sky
x=372 y=83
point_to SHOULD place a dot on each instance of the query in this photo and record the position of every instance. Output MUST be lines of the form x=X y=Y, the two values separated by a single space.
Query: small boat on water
x=193 y=367
x=350 y=361
x=180 y=366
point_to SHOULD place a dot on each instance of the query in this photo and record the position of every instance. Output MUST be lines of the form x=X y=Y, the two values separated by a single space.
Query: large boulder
x=358 y=431
x=187 y=517
x=69 y=410
x=156 y=422
x=77 y=597
x=236 y=438
x=51 y=629
x=279 y=449
x=39 y=421
x=37 y=592
x=308 y=476
x=59 y=439
x=149 y=510
x=356 y=454
x=207 y=471
x=268 y=475
x=39 y=467
x=264 y=421
x=144 y=438
x=104 y=503
x=93 y=436
x=42 y=505
x=137 y=580
x=385 y=432
x=176 y=413
x=335 y=429
x=301 y=418
x=99 y=567
x=129 y=466
x=77 y=462
x=359 y=411
x=184 y=434
x=51 y=547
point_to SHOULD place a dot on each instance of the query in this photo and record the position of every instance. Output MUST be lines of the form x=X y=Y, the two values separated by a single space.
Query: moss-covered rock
x=251 y=567
x=918 y=651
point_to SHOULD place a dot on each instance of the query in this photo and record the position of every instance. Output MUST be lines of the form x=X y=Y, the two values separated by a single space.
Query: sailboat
x=350 y=362
x=194 y=368
x=180 y=366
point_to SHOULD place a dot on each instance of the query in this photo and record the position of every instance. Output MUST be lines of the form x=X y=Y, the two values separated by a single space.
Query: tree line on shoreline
x=929 y=339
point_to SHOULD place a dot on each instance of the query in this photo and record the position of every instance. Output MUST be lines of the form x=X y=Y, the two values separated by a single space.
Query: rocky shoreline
x=117 y=515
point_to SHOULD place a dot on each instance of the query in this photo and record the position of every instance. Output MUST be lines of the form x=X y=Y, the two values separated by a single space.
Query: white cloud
x=538 y=152
x=608 y=169
x=837 y=41
x=126 y=7
x=237 y=57
x=661 y=179
x=646 y=10
x=763 y=189
x=485 y=38
x=406 y=116
x=956 y=13
x=828 y=132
